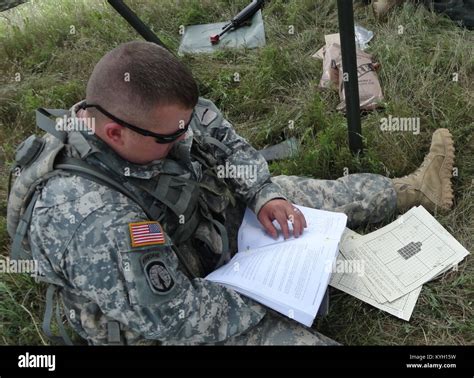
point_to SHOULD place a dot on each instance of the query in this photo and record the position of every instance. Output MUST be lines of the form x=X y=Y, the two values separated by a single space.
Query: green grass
x=278 y=84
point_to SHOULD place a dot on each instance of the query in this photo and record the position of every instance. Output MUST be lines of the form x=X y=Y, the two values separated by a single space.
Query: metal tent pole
x=349 y=66
x=135 y=22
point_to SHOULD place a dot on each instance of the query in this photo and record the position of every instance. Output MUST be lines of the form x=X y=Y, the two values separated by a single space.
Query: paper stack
x=290 y=276
x=397 y=260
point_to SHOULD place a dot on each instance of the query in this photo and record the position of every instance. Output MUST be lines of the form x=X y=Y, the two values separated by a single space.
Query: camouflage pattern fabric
x=80 y=236
x=363 y=197
x=277 y=330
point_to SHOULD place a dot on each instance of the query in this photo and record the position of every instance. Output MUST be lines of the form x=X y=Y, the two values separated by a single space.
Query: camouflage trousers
x=274 y=329
x=364 y=198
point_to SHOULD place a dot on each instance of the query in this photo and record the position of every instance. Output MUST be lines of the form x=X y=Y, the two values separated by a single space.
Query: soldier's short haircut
x=136 y=77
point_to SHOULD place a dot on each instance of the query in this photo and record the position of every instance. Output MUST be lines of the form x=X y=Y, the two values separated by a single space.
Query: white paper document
x=352 y=283
x=289 y=276
x=402 y=256
x=325 y=224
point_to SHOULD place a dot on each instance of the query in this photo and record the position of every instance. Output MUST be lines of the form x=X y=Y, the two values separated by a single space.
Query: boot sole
x=445 y=201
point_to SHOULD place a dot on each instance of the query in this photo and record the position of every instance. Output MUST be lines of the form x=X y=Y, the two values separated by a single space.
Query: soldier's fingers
x=269 y=227
x=295 y=220
x=304 y=220
x=283 y=221
x=298 y=225
x=299 y=220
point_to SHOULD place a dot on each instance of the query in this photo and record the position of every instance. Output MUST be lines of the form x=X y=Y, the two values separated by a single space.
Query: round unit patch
x=158 y=276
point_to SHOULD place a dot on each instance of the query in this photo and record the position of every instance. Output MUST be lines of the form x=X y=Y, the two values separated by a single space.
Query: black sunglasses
x=159 y=138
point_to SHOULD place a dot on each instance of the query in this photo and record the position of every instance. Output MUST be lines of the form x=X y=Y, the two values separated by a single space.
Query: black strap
x=17 y=251
x=48 y=315
x=44 y=122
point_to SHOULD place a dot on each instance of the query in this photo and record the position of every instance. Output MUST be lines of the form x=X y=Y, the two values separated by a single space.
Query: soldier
x=129 y=242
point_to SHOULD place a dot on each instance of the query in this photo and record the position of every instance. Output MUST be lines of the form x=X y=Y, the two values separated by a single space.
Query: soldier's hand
x=284 y=212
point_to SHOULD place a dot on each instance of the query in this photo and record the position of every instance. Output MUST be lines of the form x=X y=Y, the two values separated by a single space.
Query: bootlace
x=421 y=167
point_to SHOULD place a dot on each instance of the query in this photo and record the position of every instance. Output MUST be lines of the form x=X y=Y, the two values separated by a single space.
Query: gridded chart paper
x=352 y=283
x=405 y=254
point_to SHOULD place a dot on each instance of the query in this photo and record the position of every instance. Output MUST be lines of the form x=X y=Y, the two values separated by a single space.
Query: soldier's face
x=165 y=120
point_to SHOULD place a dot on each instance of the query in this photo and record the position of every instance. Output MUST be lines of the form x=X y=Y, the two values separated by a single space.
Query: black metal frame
x=159 y=138
x=135 y=22
x=349 y=66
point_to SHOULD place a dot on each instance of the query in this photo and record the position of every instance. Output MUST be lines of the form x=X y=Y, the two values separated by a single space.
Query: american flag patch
x=146 y=233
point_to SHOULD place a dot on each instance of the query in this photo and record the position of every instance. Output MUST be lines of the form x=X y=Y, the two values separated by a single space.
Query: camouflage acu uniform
x=363 y=197
x=80 y=235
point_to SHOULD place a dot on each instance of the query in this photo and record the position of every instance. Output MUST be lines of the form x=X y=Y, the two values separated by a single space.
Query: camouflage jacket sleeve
x=144 y=287
x=251 y=178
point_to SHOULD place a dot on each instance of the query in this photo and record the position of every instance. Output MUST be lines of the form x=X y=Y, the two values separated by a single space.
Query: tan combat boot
x=430 y=185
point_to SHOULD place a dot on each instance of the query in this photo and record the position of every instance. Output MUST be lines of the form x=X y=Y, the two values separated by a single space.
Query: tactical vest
x=192 y=213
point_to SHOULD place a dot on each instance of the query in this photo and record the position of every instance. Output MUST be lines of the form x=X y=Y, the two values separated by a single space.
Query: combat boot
x=430 y=185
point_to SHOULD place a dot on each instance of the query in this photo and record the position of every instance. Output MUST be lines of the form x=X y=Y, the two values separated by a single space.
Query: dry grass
x=278 y=84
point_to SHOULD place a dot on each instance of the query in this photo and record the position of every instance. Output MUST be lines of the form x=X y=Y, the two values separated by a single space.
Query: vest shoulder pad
x=208 y=114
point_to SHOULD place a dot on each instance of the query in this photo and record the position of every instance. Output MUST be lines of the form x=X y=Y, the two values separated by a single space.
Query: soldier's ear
x=114 y=132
